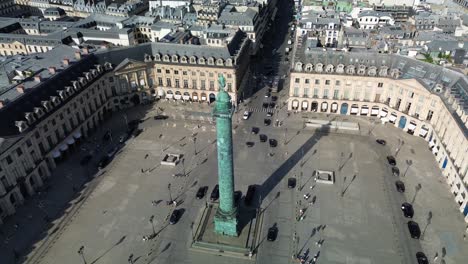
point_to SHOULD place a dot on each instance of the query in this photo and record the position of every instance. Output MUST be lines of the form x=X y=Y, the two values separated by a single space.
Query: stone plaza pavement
x=110 y=214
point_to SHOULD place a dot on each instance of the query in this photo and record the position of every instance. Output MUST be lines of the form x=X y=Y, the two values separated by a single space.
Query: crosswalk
x=260 y=109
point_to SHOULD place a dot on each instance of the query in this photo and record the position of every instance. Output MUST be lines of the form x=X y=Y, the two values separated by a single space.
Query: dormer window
x=210 y=61
x=383 y=72
x=76 y=85
x=47 y=105
x=62 y=94
x=372 y=71
x=175 y=58
x=362 y=70
x=38 y=112
x=319 y=67
x=193 y=60
x=329 y=68
x=108 y=66
x=157 y=57
x=298 y=66
x=88 y=76
x=395 y=73
x=183 y=59
x=340 y=68
x=30 y=117
x=229 y=62
x=55 y=100
x=201 y=61
x=82 y=80
x=309 y=67
x=166 y=58
x=350 y=69
x=219 y=62
x=22 y=126
x=98 y=68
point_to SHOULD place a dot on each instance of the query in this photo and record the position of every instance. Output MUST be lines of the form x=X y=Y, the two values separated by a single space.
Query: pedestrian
x=146 y=156
x=142 y=170
x=464 y=237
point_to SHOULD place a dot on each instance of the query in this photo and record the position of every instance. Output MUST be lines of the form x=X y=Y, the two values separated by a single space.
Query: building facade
x=421 y=99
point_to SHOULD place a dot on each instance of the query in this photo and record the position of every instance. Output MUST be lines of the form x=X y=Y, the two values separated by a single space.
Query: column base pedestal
x=226 y=224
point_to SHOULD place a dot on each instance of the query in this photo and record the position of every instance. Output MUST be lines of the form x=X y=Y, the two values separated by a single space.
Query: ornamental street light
x=152 y=224
x=170 y=196
x=81 y=253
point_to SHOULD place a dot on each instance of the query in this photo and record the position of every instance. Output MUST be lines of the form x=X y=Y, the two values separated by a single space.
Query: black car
x=421 y=257
x=237 y=197
x=249 y=144
x=215 y=193
x=400 y=186
x=85 y=160
x=272 y=233
x=250 y=195
x=291 y=183
x=395 y=171
x=103 y=162
x=273 y=142
x=255 y=130
x=274 y=98
x=381 y=142
x=407 y=209
x=265 y=105
x=391 y=160
x=267 y=122
x=201 y=192
x=263 y=138
x=174 y=217
x=160 y=117
x=272 y=105
x=414 y=230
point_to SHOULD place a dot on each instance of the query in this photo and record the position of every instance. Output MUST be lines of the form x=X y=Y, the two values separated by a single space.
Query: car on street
x=201 y=192
x=391 y=160
x=421 y=258
x=265 y=105
x=267 y=95
x=250 y=195
x=274 y=98
x=292 y=183
x=414 y=229
x=407 y=209
x=263 y=138
x=269 y=114
x=272 y=233
x=85 y=160
x=381 y=142
x=271 y=105
x=273 y=142
x=215 y=193
x=267 y=122
x=400 y=186
x=237 y=197
x=255 y=130
x=246 y=115
x=395 y=171
x=174 y=217
x=250 y=144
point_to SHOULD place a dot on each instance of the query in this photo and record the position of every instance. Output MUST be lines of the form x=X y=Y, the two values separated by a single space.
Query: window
x=168 y=71
x=229 y=87
x=380 y=85
x=28 y=143
x=184 y=73
x=307 y=81
x=36 y=134
x=229 y=76
x=421 y=98
x=306 y=92
x=160 y=81
x=202 y=73
x=61 y=116
x=19 y=151
x=317 y=81
x=168 y=82
x=210 y=74
x=8 y=159
x=211 y=85
x=203 y=84
x=194 y=84
x=357 y=95
x=433 y=102
x=337 y=83
x=327 y=82
x=297 y=80
x=176 y=72
x=158 y=70
x=410 y=94
x=325 y=93
x=177 y=84
x=315 y=92
x=346 y=94
x=296 y=91
x=53 y=122
x=46 y=128
x=335 y=94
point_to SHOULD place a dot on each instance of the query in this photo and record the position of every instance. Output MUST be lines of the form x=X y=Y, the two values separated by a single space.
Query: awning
x=195 y=97
x=364 y=111
x=374 y=112
x=435 y=150
x=177 y=96
x=56 y=154
x=383 y=113
x=185 y=97
x=77 y=134
x=411 y=126
x=305 y=104
x=169 y=96
x=203 y=98
x=423 y=132
x=334 y=106
x=161 y=92
x=63 y=147
x=354 y=110
x=295 y=104
x=392 y=118
x=324 y=105
x=70 y=141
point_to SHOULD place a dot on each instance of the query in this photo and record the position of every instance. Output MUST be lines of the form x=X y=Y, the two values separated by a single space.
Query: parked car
x=272 y=233
x=269 y=114
x=274 y=98
x=250 y=195
x=267 y=94
x=407 y=209
x=85 y=160
x=250 y=144
x=273 y=143
x=421 y=258
x=400 y=186
x=215 y=193
x=291 y=183
x=246 y=115
x=391 y=160
x=265 y=105
x=414 y=230
x=255 y=130
x=267 y=122
x=272 y=105
x=263 y=138
x=174 y=217
x=381 y=142
x=123 y=138
x=201 y=192
x=395 y=171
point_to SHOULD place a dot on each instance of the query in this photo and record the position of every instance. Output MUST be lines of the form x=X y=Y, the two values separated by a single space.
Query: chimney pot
x=52 y=70
x=78 y=55
x=37 y=78
x=20 y=88
x=66 y=62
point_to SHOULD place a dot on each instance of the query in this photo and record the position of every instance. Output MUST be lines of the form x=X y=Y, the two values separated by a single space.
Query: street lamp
x=170 y=196
x=152 y=224
x=81 y=253
x=194 y=139
x=130 y=259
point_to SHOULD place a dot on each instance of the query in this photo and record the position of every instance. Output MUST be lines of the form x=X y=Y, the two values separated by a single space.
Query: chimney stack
x=66 y=62
x=52 y=70
x=77 y=55
x=20 y=89
x=37 y=78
